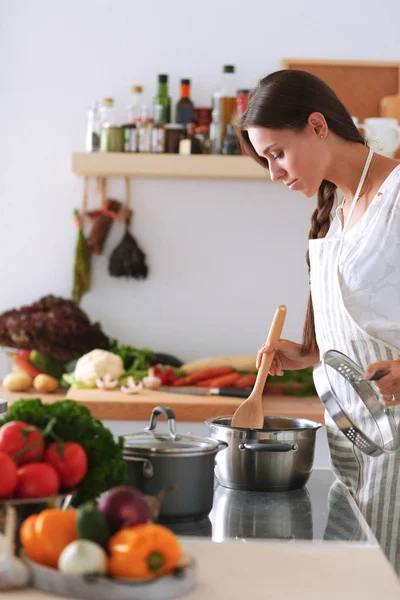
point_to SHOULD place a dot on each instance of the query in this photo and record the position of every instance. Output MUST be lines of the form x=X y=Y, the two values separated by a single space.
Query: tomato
x=8 y=479
x=37 y=480
x=69 y=460
x=17 y=435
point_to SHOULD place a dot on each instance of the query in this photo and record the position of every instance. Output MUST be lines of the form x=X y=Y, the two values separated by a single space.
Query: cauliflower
x=96 y=364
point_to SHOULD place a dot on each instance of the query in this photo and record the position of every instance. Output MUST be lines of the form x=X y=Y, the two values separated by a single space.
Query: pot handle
x=168 y=414
x=268 y=447
x=221 y=445
x=148 y=470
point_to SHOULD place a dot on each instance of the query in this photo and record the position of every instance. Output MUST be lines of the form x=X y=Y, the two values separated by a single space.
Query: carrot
x=246 y=381
x=202 y=375
x=225 y=380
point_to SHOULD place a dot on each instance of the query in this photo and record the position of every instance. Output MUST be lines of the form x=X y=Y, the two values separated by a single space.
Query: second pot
x=157 y=461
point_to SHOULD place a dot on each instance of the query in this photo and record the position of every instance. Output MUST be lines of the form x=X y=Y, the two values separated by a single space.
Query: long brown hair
x=284 y=100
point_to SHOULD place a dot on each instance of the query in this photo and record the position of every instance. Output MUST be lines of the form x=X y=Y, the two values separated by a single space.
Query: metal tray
x=96 y=587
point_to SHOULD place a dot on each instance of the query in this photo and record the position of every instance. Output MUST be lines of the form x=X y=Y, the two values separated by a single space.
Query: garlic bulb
x=107 y=382
x=13 y=572
x=131 y=386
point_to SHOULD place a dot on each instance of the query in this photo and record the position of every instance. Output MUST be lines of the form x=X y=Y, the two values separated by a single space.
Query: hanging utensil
x=382 y=435
x=127 y=259
x=250 y=413
x=83 y=257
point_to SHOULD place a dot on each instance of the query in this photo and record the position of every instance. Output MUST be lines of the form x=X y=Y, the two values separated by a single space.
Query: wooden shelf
x=121 y=164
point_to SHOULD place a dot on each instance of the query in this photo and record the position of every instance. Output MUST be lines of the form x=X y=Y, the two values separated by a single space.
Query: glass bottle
x=107 y=116
x=230 y=144
x=215 y=133
x=93 y=129
x=158 y=131
x=162 y=98
x=184 y=106
x=202 y=133
x=145 y=128
x=134 y=109
x=224 y=99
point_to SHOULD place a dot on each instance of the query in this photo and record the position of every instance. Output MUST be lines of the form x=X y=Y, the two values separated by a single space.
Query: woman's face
x=298 y=159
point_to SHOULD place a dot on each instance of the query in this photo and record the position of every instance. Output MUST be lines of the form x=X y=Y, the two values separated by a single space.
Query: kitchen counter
x=322 y=511
x=310 y=543
x=138 y=407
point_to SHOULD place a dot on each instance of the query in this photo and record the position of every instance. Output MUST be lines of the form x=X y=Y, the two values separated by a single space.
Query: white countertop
x=281 y=571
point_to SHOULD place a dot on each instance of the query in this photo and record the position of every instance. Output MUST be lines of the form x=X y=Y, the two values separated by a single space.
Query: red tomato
x=17 y=435
x=37 y=480
x=8 y=479
x=69 y=460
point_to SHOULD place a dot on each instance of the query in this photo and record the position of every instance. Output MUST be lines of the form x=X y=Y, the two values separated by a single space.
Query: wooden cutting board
x=122 y=407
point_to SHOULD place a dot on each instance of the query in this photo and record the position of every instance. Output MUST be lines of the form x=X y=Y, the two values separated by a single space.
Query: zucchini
x=46 y=364
x=91 y=524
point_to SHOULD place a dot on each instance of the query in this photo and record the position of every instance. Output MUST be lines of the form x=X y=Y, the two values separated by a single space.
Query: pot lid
x=163 y=443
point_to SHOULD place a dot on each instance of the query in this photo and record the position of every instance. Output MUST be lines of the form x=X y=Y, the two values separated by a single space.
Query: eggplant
x=160 y=358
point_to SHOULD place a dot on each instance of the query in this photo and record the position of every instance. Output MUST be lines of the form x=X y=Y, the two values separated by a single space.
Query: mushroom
x=131 y=386
x=107 y=382
x=151 y=381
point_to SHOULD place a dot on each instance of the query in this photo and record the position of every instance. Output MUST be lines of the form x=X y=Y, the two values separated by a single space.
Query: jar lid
x=148 y=443
x=137 y=89
x=108 y=101
x=173 y=126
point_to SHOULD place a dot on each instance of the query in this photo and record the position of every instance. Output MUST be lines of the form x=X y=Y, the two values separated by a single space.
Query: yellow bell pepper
x=143 y=552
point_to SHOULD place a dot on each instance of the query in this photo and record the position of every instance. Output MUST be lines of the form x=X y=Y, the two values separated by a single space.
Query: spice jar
x=174 y=132
x=112 y=139
x=242 y=100
x=203 y=115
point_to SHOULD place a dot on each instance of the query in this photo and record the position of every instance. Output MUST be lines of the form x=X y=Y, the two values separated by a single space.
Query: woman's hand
x=288 y=356
x=389 y=384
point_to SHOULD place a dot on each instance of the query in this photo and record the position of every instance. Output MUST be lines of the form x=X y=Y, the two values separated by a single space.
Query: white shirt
x=370 y=263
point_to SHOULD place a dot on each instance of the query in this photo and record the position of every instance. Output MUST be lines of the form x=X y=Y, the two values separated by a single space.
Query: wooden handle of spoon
x=273 y=336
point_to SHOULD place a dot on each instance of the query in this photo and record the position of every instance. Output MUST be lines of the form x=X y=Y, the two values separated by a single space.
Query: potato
x=17 y=382
x=45 y=383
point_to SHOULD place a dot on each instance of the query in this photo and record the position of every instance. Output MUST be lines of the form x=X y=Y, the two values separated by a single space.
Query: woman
x=296 y=127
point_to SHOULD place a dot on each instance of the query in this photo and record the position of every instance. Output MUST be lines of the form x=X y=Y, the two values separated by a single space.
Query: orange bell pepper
x=45 y=535
x=143 y=552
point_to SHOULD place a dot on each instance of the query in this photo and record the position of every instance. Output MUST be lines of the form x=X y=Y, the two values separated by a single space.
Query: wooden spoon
x=250 y=413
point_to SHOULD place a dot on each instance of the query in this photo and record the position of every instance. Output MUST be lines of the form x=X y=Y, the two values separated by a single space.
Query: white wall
x=222 y=255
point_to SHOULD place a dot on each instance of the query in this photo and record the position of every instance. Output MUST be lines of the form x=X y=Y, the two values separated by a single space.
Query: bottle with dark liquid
x=184 y=106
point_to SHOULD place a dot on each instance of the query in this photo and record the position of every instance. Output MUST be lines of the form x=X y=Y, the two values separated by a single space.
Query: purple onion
x=123 y=507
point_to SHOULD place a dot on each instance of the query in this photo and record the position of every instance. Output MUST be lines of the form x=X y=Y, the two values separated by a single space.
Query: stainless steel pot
x=157 y=461
x=277 y=457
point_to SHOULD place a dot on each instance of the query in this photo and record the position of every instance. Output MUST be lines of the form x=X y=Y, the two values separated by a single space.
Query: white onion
x=82 y=557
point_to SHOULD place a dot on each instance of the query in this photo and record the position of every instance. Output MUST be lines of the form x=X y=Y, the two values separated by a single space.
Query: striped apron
x=374 y=483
